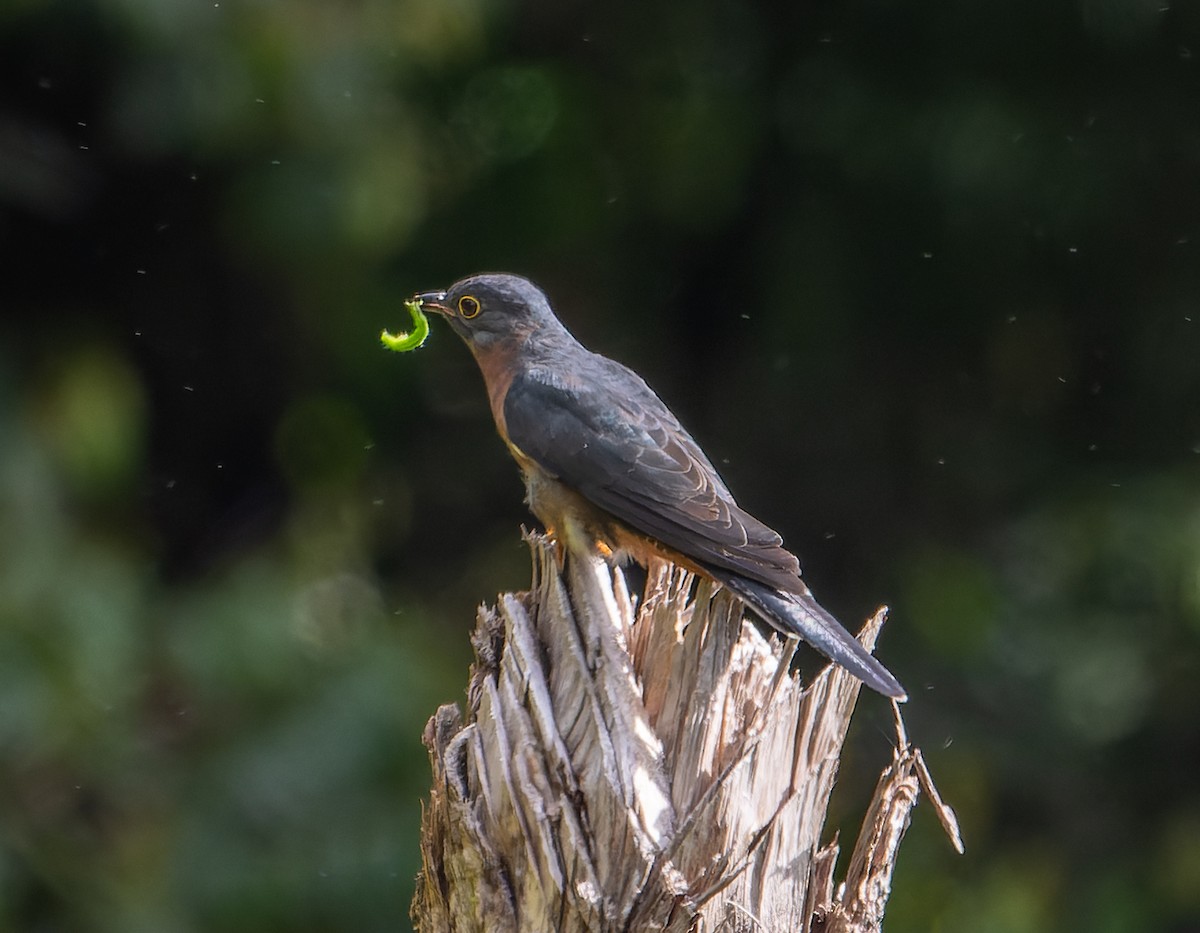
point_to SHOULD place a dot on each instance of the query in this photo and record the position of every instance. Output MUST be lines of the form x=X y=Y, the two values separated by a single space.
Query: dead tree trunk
x=649 y=768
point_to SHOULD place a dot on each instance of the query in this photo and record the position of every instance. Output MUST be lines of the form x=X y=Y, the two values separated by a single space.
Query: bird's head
x=493 y=309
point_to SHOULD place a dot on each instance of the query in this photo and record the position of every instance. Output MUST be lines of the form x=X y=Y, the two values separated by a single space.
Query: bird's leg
x=580 y=534
x=560 y=548
x=575 y=525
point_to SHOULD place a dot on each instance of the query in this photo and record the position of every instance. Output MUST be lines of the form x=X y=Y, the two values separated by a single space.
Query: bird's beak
x=433 y=301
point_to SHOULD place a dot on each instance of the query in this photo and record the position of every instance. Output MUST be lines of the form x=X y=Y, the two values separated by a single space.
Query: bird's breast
x=498 y=366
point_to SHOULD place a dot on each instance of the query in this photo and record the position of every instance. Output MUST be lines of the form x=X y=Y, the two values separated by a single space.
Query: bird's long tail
x=803 y=616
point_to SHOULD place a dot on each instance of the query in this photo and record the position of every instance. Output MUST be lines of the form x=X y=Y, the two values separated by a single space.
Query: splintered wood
x=649 y=769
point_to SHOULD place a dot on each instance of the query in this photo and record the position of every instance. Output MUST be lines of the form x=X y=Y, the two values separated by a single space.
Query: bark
x=639 y=765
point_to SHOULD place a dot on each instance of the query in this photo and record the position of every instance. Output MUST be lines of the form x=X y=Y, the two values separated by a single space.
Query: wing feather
x=603 y=432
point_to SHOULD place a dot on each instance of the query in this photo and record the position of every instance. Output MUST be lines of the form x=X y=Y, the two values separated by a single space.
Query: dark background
x=924 y=279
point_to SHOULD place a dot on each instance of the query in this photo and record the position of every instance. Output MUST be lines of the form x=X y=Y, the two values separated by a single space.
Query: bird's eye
x=468 y=306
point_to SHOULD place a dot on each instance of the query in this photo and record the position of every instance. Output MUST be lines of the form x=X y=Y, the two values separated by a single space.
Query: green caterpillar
x=403 y=342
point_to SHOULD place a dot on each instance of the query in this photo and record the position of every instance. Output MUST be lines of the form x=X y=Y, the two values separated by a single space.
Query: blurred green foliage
x=922 y=278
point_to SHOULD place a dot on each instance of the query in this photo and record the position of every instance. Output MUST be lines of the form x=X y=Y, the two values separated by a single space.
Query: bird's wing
x=605 y=434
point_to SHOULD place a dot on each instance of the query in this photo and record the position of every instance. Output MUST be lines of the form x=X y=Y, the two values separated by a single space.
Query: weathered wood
x=643 y=766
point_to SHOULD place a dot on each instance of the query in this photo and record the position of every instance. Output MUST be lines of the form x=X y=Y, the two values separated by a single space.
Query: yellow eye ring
x=468 y=306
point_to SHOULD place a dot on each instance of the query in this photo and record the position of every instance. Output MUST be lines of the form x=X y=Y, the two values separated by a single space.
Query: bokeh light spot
x=321 y=440
x=507 y=112
x=93 y=414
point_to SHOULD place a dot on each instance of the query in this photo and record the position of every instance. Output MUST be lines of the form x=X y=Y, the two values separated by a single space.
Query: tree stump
x=646 y=765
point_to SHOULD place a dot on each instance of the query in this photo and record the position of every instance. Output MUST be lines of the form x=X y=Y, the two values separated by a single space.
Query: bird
x=609 y=469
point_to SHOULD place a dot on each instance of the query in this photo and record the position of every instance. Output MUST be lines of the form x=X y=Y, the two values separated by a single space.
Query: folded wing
x=605 y=434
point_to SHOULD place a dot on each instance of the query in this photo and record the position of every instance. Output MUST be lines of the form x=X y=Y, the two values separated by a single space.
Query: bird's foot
x=560 y=548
